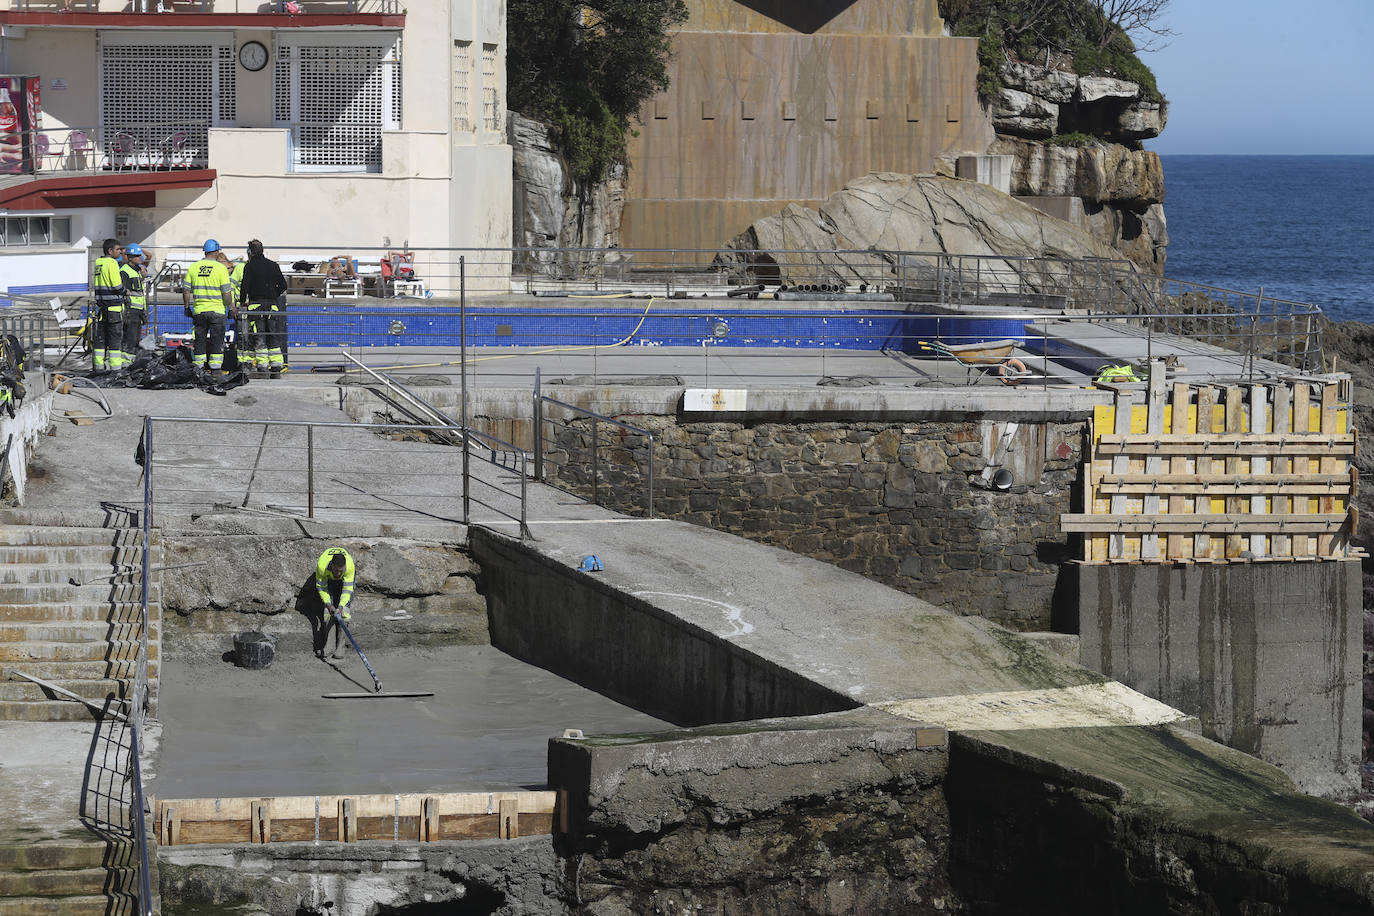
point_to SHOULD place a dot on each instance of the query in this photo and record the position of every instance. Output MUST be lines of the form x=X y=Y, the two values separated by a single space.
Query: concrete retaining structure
x=18 y=434
x=1066 y=793
x=828 y=815
x=1266 y=655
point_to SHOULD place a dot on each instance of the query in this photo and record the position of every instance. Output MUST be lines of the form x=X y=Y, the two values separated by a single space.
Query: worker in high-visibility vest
x=106 y=317
x=334 y=573
x=136 y=312
x=208 y=296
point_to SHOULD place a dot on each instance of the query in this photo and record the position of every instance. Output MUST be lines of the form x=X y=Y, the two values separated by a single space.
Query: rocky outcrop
x=1113 y=109
x=431 y=587
x=1122 y=191
x=926 y=213
x=1121 y=186
x=551 y=209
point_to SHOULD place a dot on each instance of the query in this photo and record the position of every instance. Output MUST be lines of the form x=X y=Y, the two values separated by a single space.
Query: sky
x=1267 y=77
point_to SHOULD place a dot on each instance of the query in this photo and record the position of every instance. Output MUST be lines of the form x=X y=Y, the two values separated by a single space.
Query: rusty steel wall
x=761 y=114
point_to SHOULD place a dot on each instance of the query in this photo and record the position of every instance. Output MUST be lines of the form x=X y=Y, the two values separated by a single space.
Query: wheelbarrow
x=982 y=358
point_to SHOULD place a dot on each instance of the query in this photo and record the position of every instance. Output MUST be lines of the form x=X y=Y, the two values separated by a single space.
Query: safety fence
x=594 y=301
x=1197 y=474
x=32 y=321
x=593 y=455
x=339 y=471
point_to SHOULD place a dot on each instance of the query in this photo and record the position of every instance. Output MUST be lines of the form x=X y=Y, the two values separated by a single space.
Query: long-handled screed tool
x=376 y=682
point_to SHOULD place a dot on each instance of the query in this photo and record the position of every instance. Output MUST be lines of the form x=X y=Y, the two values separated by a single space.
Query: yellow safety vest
x=208 y=278
x=108 y=285
x=323 y=576
x=138 y=297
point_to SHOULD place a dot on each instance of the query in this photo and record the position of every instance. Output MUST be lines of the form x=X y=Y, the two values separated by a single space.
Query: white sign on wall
x=714 y=399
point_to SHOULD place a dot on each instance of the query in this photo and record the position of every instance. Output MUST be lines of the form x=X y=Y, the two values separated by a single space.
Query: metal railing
x=32 y=321
x=637 y=447
x=132 y=147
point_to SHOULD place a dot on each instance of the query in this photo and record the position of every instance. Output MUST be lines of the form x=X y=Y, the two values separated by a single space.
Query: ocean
x=1301 y=227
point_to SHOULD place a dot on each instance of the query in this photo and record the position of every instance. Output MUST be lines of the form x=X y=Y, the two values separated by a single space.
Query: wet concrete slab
x=229 y=732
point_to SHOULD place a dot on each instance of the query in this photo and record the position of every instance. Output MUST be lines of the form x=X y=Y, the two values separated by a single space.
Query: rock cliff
x=1121 y=186
x=551 y=209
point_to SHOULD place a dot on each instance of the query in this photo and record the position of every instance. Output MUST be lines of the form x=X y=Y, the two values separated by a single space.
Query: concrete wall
x=896 y=502
x=20 y=434
x=629 y=649
x=772 y=103
x=1267 y=655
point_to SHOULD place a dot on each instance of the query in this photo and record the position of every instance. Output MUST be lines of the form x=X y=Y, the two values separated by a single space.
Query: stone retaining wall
x=897 y=502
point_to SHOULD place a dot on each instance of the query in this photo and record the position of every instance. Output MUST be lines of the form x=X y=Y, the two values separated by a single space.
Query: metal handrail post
x=310 y=470
x=463 y=387
x=538 y=427
x=145 y=897
x=596 y=466
x=524 y=493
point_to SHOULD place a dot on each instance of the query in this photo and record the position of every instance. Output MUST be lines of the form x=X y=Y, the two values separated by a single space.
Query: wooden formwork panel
x=1184 y=473
x=348 y=819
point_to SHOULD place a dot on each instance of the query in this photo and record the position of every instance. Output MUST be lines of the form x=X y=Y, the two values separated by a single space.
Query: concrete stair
x=74 y=877
x=84 y=637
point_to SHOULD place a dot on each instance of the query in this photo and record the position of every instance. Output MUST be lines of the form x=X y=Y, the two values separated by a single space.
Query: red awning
x=100 y=189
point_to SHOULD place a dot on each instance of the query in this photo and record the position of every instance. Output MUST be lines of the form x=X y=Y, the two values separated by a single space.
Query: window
x=462 y=87
x=491 y=91
x=157 y=86
x=337 y=98
x=34 y=231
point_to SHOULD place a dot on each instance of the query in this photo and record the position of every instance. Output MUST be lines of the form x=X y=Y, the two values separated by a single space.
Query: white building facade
x=352 y=124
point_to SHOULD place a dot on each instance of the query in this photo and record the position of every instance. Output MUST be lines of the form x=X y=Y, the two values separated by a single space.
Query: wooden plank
x=1341 y=447
x=1329 y=464
x=374 y=827
x=1154 y=464
x=1206 y=410
x=1229 y=524
x=348 y=821
x=429 y=830
x=535 y=824
x=1178 y=546
x=1225 y=488
x=1235 y=423
x=1320 y=441
x=509 y=815
x=564 y=819
x=202 y=832
x=1303 y=546
x=1283 y=466
x=468 y=826
x=1259 y=464
x=1120 y=465
x=171 y=832
x=1094 y=548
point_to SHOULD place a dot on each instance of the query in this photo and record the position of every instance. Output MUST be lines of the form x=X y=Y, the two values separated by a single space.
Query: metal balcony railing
x=306 y=7
x=143 y=147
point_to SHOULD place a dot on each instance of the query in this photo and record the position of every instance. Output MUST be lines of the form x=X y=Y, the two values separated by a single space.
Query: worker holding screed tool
x=334 y=582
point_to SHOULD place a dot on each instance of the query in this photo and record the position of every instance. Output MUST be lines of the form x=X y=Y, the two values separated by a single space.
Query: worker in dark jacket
x=263 y=290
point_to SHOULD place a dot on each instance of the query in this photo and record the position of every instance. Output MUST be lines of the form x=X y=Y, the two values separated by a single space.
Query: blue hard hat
x=134 y=250
x=211 y=245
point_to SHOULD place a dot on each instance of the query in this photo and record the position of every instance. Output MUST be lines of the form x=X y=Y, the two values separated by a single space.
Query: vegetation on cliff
x=1091 y=37
x=587 y=67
